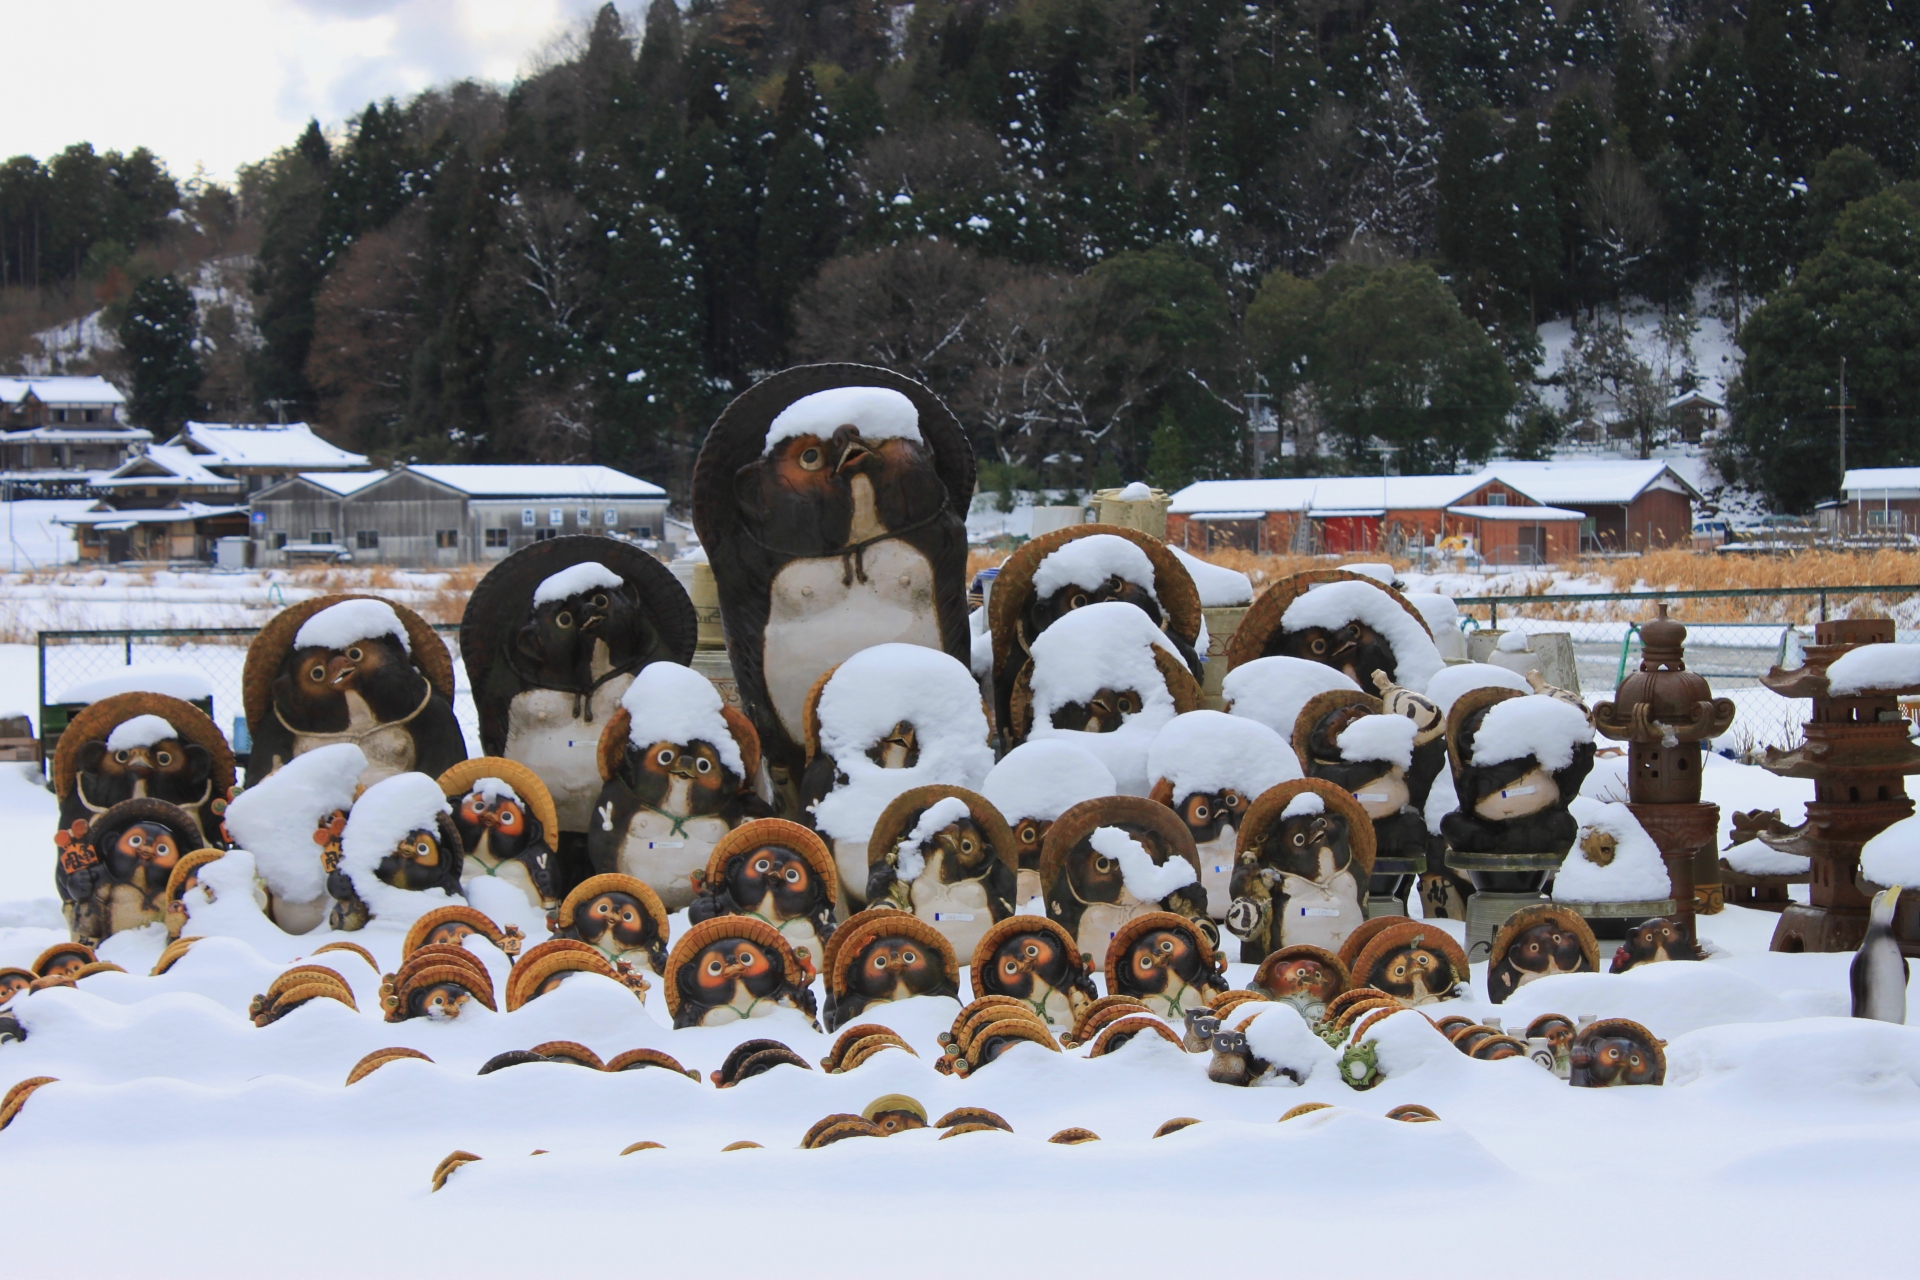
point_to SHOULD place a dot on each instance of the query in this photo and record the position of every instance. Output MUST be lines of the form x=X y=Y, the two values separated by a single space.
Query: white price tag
x=666 y=844
x=1319 y=911
x=952 y=915
x=1510 y=792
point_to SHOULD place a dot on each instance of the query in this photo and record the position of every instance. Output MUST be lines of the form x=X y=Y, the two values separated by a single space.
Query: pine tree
x=158 y=336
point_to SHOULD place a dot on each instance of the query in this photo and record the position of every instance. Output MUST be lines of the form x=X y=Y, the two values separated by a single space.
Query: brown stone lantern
x=1663 y=712
x=1858 y=756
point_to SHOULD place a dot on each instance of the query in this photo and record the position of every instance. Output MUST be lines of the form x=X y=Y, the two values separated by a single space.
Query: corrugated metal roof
x=1604 y=481
x=1324 y=493
x=1873 y=481
x=1517 y=513
x=533 y=480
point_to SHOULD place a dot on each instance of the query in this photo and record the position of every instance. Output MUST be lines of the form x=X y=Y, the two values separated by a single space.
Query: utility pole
x=1843 y=406
x=280 y=413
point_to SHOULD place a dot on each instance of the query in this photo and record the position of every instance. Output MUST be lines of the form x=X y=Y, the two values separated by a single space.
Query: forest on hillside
x=1111 y=232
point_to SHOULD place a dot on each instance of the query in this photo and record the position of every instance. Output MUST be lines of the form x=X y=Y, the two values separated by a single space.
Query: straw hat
x=894 y=1102
x=1602 y=1029
x=1319 y=705
x=852 y=937
x=380 y=1058
x=558 y=955
x=613 y=742
x=16 y=1097
x=97 y=721
x=613 y=882
x=982 y=969
x=354 y=947
x=1128 y=933
x=750 y=1058
x=1181 y=685
x=422 y=970
x=457 y=913
x=270 y=648
x=525 y=782
x=1546 y=913
x=1265 y=812
x=851 y=1038
x=1464 y=707
x=772 y=831
x=1256 y=628
x=634 y=1059
x=1079 y=822
x=1364 y=933
x=1426 y=934
x=831 y=1129
x=973 y=1115
x=1120 y=1032
x=758 y=932
x=570 y=1051
x=58 y=949
x=898 y=819
x=1264 y=979
x=831 y=944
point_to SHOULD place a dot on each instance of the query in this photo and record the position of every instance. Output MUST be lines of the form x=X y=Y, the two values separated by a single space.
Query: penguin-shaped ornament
x=731 y=968
x=113 y=870
x=884 y=955
x=1107 y=861
x=287 y=820
x=888 y=719
x=507 y=824
x=1306 y=850
x=357 y=669
x=775 y=871
x=1167 y=963
x=1207 y=767
x=679 y=767
x=1105 y=679
x=1878 y=974
x=946 y=855
x=143 y=746
x=1032 y=786
x=618 y=916
x=1344 y=620
x=399 y=855
x=551 y=638
x=1051 y=576
x=1518 y=761
x=831 y=501
x=1035 y=961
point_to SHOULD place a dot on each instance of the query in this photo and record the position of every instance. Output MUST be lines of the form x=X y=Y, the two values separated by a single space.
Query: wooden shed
x=1630 y=505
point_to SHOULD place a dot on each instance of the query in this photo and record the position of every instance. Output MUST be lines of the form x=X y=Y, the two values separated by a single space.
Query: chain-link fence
x=204 y=665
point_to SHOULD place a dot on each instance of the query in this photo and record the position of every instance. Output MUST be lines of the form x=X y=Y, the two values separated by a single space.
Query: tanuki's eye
x=811 y=458
x=354 y=655
x=317 y=673
x=563 y=620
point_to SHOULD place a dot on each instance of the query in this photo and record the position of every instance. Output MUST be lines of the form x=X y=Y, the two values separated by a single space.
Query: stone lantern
x=1663 y=711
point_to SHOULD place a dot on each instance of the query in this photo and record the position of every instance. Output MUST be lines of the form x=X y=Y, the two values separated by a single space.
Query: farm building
x=260 y=454
x=445 y=515
x=160 y=504
x=63 y=424
x=1338 y=514
x=1878 y=501
x=1629 y=505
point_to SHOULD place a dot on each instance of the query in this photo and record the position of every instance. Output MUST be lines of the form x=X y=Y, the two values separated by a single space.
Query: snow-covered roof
x=87 y=433
x=532 y=480
x=1323 y=494
x=181 y=466
x=1876 y=482
x=110 y=519
x=1687 y=399
x=343 y=482
x=1598 y=481
x=63 y=391
x=287 y=445
x=1517 y=513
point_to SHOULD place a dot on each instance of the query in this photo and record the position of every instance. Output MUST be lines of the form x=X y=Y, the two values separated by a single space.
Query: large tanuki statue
x=351 y=669
x=1518 y=761
x=112 y=871
x=1108 y=861
x=831 y=501
x=1306 y=850
x=143 y=746
x=552 y=638
x=1343 y=620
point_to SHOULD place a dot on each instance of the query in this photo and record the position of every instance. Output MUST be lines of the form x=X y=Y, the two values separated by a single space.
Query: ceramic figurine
x=733 y=967
x=772 y=870
x=454 y=925
x=112 y=870
x=1303 y=976
x=946 y=855
x=439 y=981
x=1110 y=860
x=1344 y=620
x=679 y=766
x=143 y=746
x=351 y=668
x=620 y=917
x=1208 y=767
x=1518 y=761
x=542 y=969
x=398 y=840
x=185 y=876
x=288 y=821
x=1166 y=962
x=883 y=955
x=1351 y=741
x=1034 y=960
x=1306 y=848
x=1536 y=942
x=507 y=825
x=1652 y=941
x=1616 y=1051
x=1032 y=786
x=831 y=501
x=1414 y=962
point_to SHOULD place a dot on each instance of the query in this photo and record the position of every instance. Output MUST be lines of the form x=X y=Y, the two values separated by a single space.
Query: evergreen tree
x=158 y=335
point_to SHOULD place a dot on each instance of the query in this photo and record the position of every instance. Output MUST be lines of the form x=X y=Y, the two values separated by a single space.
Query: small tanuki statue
x=1105 y=679
x=1518 y=761
x=946 y=855
x=1107 y=861
x=620 y=917
x=1050 y=576
x=1616 y=1051
x=455 y=924
x=1344 y=620
x=730 y=968
x=1536 y=942
x=113 y=871
x=888 y=719
x=1306 y=850
x=542 y=970
x=288 y=820
x=1304 y=976
x=399 y=854
x=1414 y=962
x=353 y=669
x=831 y=500
x=507 y=825
x=143 y=746
x=1166 y=962
x=1034 y=960
x=551 y=638
x=679 y=766
x=1032 y=786
x=1207 y=767
x=883 y=955
x=438 y=981
x=775 y=871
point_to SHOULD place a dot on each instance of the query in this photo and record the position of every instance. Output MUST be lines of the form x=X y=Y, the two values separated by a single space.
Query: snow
x=1044 y=778
x=184 y=683
x=1212 y=751
x=1219 y=587
x=1335 y=604
x=1323 y=494
x=36 y=538
x=1384 y=574
x=1304 y=805
x=1087 y=562
x=1107 y=645
x=385 y=814
x=63 y=391
x=1591 y=481
x=672 y=703
x=1280 y=1035
x=1758 y=858
x=289 y=445
x=494 y=789
x=1636 y=873
x=1138 y=491
x=338 y=625
x=1512 y=642
x=1535 y=725
x=878 y=413
x=275 y=819
x=1464 y=677
x=536 y=480
x=1893 y=856
x=573 y=580
x=1145 y=879
x=874 y=690
x=140 y=731
x=1273 y=690
x=940 y=815
x=1388 y=739
x=1875 y=667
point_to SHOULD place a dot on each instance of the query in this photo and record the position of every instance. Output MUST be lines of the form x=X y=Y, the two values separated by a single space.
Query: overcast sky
x=225 y=82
